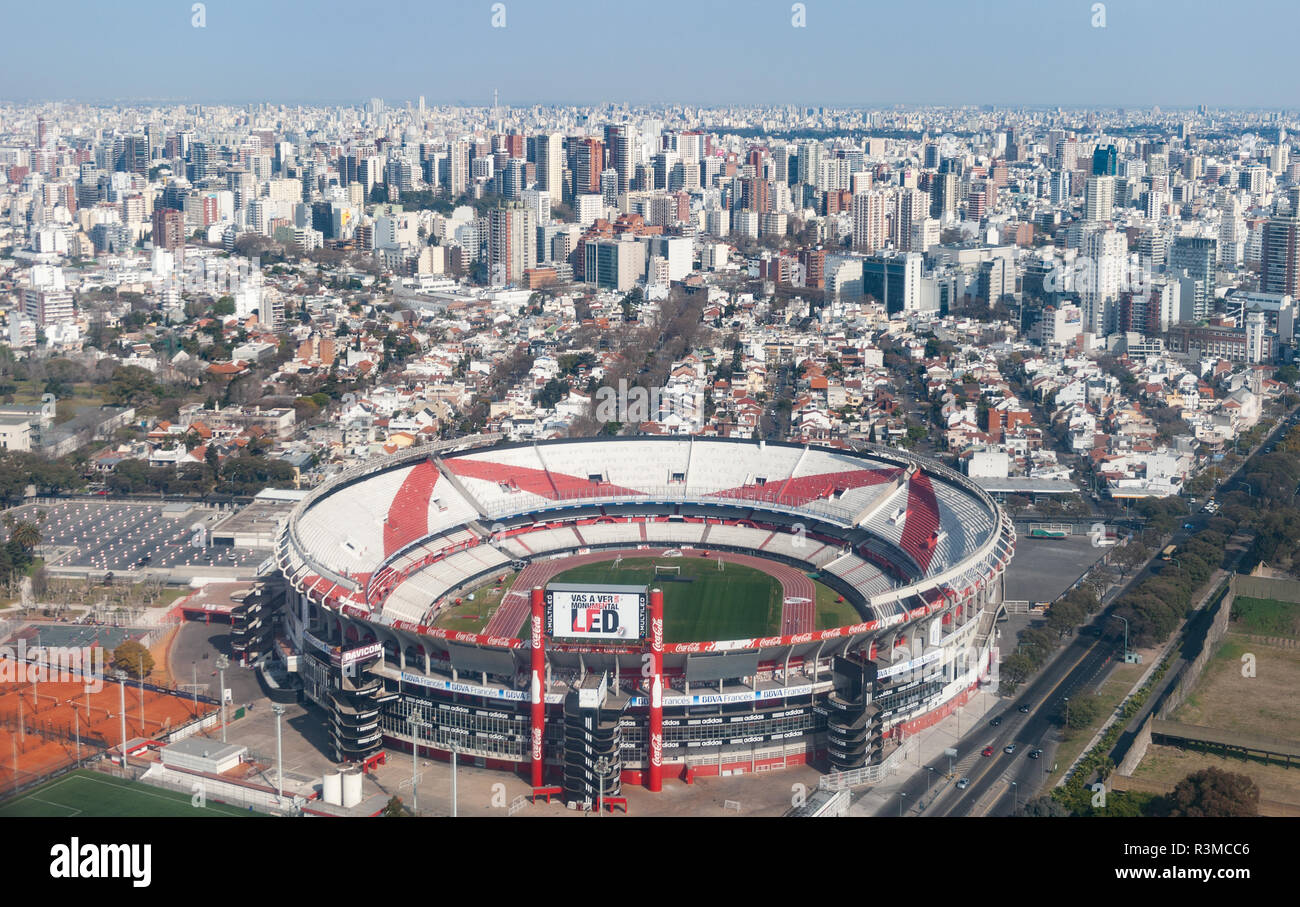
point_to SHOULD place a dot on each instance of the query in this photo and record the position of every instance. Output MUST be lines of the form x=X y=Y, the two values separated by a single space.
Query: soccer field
x=736 y=602
x=91 y=794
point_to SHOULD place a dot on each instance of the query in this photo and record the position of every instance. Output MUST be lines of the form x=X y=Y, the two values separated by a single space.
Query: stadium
x=821 y=604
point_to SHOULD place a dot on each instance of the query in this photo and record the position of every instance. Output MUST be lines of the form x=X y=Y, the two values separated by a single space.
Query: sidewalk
x=879 y=799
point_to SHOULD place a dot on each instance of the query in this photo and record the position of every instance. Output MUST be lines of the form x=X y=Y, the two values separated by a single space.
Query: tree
x=26 y=534
x=1082 y=712
x=1128 y=556
x=133 y=659
x=394 y=807
x=213 y=459
x=40 y=583
x=1042 y=806
x=130 y=385
x=1214 y=792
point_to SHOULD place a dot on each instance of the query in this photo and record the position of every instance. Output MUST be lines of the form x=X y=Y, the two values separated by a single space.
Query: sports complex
x=598 y=612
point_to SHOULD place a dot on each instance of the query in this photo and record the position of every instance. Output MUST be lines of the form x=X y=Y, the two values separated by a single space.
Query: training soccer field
x=91 y=794
x=736 y=602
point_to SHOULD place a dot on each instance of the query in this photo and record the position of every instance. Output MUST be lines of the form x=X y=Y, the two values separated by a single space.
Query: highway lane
x=1080 y=668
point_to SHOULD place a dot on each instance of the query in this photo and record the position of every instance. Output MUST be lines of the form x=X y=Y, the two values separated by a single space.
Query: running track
x=798 y=595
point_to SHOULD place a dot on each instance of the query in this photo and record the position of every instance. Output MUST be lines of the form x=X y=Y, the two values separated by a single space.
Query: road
x=1081 y=666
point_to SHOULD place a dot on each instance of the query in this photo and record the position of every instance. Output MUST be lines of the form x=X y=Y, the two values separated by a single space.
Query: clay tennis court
x=41 y=722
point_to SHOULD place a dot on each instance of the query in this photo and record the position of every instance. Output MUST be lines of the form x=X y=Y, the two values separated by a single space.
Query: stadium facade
x=371 y=558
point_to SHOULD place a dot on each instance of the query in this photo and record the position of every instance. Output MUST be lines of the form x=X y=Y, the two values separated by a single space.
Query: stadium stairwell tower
x=853 y=721
x=593 y=741
x=356 y=699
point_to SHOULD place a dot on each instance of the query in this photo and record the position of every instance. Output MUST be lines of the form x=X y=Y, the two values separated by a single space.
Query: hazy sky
x=706 y=52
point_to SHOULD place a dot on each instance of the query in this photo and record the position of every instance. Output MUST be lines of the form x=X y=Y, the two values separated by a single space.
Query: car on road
x=1035 y=753
x=1009 y=748
x=963 y=784
x=996 y=721
x=987 y=751
x=1024 y=709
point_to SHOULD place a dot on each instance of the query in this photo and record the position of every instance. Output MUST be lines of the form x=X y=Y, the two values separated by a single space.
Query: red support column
x=655 y=777
x=539 y=672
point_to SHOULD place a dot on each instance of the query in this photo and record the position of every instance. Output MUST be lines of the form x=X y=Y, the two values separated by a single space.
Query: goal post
x=663 y=569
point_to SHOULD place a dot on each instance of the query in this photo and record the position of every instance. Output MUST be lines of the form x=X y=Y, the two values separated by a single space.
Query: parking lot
x=114 y=536
x=1043 y=569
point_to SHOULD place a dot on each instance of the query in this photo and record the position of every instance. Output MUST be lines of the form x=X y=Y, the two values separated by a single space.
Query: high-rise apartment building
x=1198 y=257
x=550 y=163
x=1280 y=252
x=512 y=244
x=589 y=163
x=1098 y=198
x=620 y=141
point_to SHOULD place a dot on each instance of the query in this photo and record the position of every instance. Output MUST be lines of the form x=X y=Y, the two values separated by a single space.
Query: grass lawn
x=830 y=613
x=29 y=393
x=471 y=616
x=705 y=603
x=1266 y=617
x=1260 y=704
x=92 y=794
x=1171 y=764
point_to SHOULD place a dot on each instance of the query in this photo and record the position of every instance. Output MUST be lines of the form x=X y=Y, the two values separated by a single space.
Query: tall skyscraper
x=512 y=244
x=620 y=140
x=1103 y=263
x=1105 y=161
x=870 y=213
x=809 y=162
x=1280 y=255
x=943 y=195
x=589 y=162
x=913 y=207
x=1197 y=256
x=550 y=163
x=457 y=167
x=1099 y=198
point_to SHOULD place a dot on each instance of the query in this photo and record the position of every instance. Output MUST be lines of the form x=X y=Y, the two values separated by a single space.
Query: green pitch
x=1266 y=616
x=91 y=794
x=736 y=602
